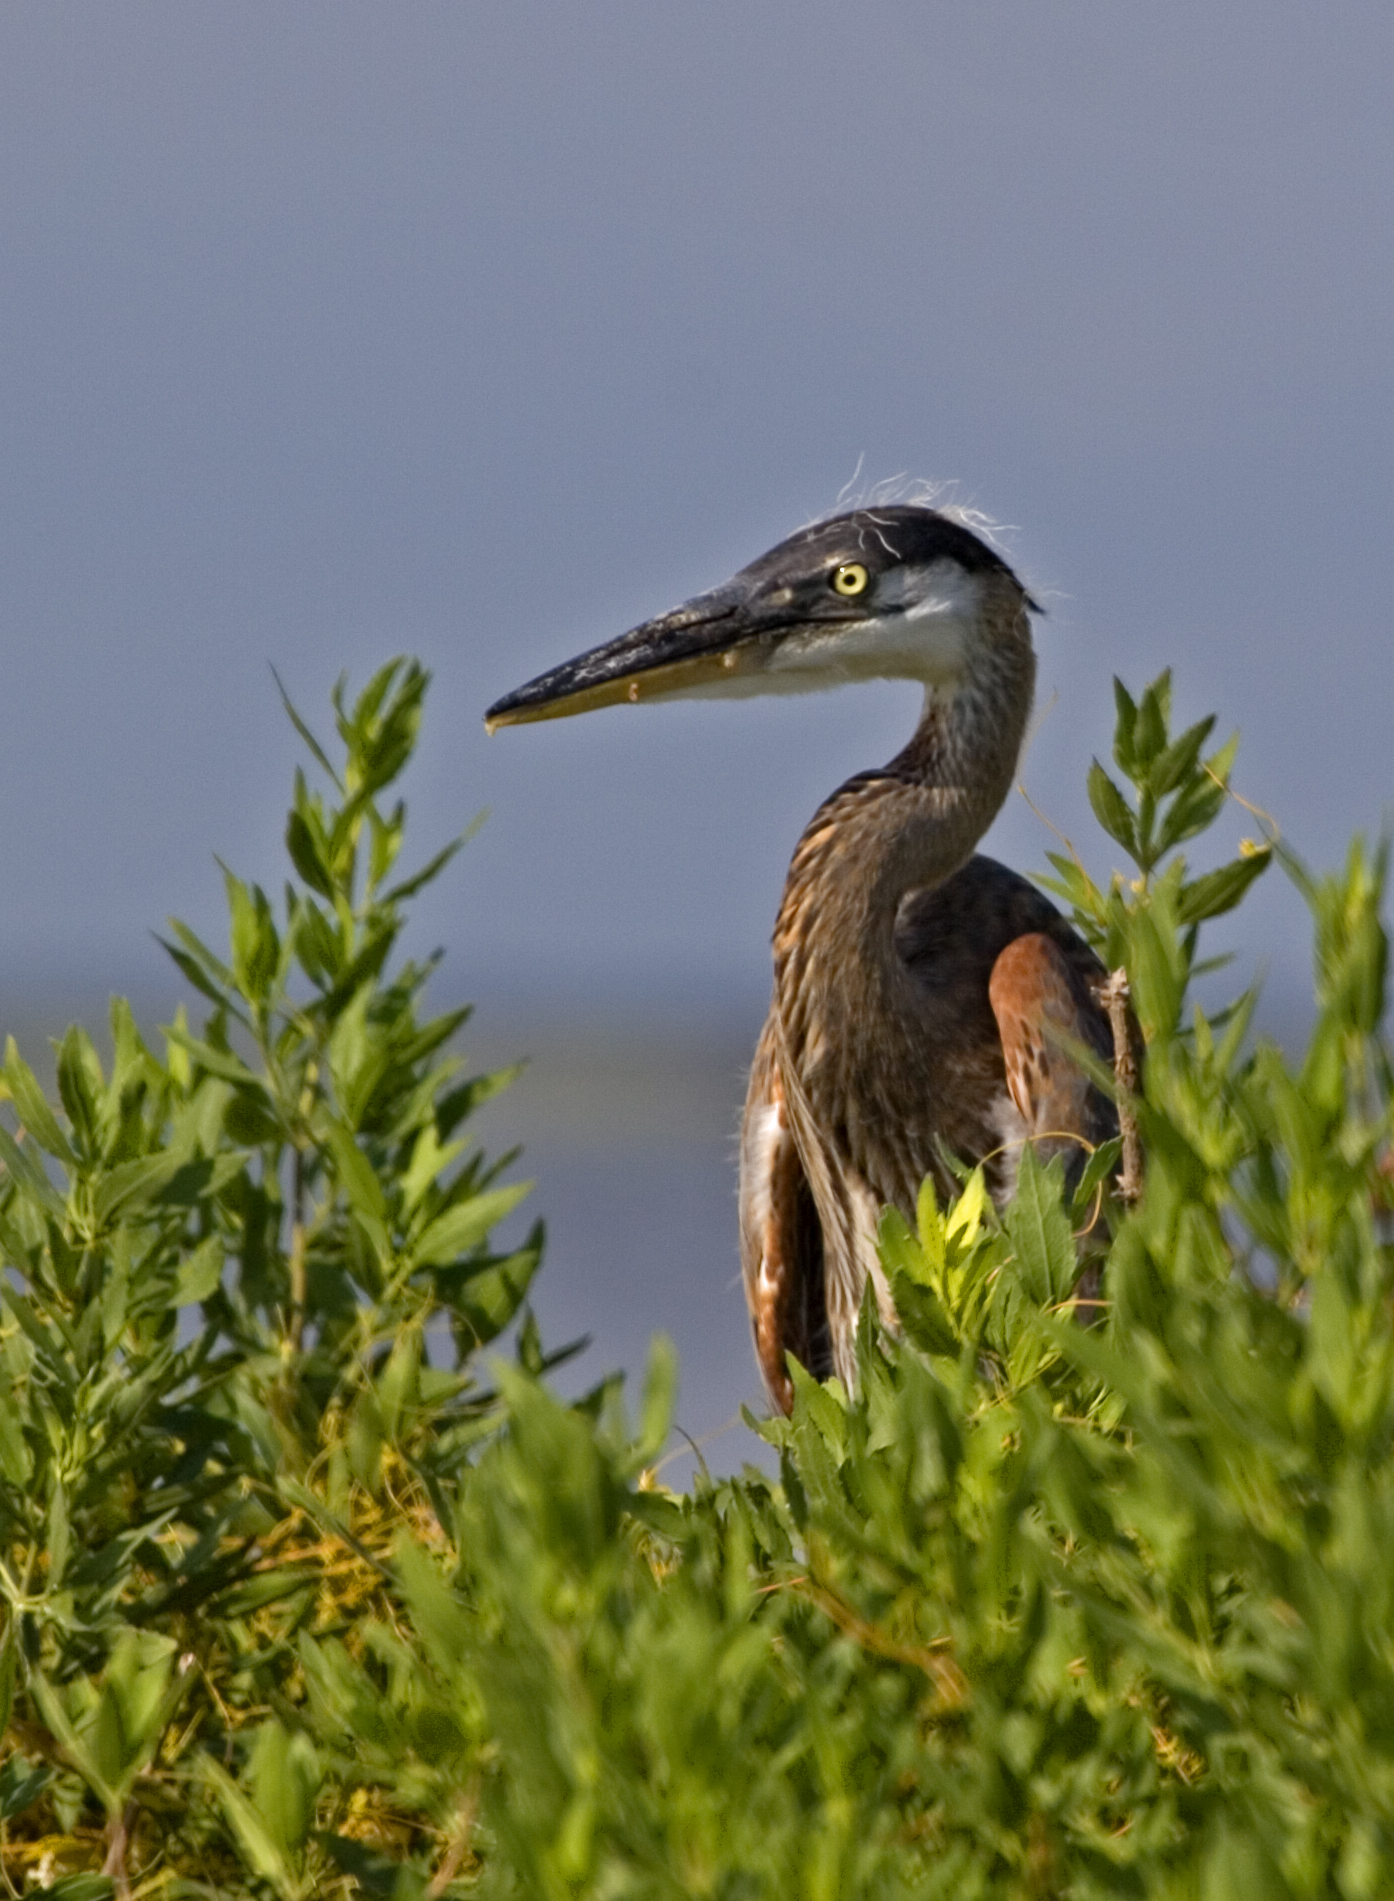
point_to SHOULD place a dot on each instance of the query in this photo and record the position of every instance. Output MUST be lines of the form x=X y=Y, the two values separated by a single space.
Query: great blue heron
x=922 y=995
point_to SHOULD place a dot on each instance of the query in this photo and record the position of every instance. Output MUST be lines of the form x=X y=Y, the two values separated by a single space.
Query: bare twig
x=460 y=1842
x=1114 y=995
x=930 y=1658
x=117 y=1831
x=298 y=1282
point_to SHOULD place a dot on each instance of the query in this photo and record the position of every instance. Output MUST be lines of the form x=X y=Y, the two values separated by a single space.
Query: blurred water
x=643 y=1242
x=629 y=1132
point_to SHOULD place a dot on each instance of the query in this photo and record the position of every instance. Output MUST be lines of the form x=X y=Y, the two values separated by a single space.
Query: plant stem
x=115 y=1864
x=459 y=1845
x=297 y=1252
x=1115 y=998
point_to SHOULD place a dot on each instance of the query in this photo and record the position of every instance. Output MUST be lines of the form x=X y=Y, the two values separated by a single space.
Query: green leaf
x=135 y=1702
x=27 y=1173
x=660 y=1399
x=217 y=1062
x=256 y=947
x=32 y=1106
x=1179 y=759
x=438 y=1615
x=16 y=1462
x=59 y=1537
x=432 y=869
x=1111 y=809
x=465 y=1225
x=206 y=971
x=253 y=1594
x=399 y=1382
x=21 y=1782
x=9 y=1659
x=81 y=1086
x=924 y=1316
x=366 y=1437
x=453 y=1108
x=930 y=1231
x=1157 y=972
x=356 y=1177
x=1150 y=732
x=1220 y=764
x=488 y=1300
x=1219 y=891
x=285 y=1776
x=1040 y=1232
x=200 y=1273
x=1194 y=809
x=1079 y=891
x=1100 y=1166
x=75 y=1888
x=374 y=1873
x=51 y=1703
x=384 y=841
x=902 y=1252
x=315 y=749
x=256 y=1837
x=307 y=848
x=1124 y=729
x=380 y=731
x=318 y=944
x=133 y=1185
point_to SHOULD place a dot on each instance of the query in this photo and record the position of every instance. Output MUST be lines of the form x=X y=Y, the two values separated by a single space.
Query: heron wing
x=781 y=1239
x=1041 y=1008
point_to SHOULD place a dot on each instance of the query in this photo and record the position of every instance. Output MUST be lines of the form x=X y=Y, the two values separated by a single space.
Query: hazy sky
x=486 y=330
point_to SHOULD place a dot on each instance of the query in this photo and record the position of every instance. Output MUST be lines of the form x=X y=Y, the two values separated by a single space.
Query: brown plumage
x=1004 y=985
x=924 y=997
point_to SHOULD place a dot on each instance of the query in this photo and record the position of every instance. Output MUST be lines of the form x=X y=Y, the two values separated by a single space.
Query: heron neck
x=928 y=808
x=884 y=834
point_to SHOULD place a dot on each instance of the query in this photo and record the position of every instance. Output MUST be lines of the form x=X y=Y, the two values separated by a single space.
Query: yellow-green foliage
x=1072 y=1598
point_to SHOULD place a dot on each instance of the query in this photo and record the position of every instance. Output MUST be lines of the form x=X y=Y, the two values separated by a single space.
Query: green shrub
x=299 y=1600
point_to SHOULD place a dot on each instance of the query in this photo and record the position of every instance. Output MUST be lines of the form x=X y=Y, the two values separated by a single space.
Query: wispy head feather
x=911 y=491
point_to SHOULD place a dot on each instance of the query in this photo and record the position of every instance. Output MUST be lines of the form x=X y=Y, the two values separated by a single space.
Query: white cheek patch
x=935 y=590
x=908 y=646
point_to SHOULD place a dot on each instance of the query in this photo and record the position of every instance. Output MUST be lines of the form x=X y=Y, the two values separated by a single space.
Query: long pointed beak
x=711 y=637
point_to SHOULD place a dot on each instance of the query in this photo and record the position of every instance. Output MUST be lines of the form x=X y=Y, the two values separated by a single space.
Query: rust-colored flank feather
x=1040 y=1004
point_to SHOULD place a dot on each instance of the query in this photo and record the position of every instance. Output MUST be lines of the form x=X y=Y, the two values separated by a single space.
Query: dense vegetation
x=306 y=1594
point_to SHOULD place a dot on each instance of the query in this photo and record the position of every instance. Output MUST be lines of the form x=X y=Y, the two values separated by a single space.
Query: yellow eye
x=850 y=579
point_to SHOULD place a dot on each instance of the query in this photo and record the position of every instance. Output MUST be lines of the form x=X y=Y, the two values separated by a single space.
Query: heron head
x=898 y=592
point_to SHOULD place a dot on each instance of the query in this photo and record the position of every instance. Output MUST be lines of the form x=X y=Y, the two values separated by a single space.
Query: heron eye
x=850 y=579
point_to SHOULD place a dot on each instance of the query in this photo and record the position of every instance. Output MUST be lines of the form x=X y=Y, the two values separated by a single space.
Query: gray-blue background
x=485 y=330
